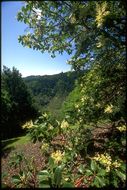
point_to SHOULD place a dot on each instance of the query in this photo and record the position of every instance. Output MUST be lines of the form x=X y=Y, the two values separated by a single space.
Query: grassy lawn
x=13 y=142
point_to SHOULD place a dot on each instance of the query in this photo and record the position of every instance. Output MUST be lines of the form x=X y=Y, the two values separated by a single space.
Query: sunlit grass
x=13 y=142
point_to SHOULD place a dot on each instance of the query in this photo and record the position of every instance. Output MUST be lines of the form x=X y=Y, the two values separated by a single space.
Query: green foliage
x=101 y=170
x=91 y=26
x=17 y=103
x=53 y=176
x=13 y=142
x=96 y=95
x=44 y=128
x=96 y=31
x=27 y=176
x=50 y=178
x=16 y=159
x=68 y=107
x=96 y=37
x=102 y=177
x=116 y=144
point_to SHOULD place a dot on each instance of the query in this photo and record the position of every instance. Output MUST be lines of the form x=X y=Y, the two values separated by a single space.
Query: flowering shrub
x=43 y=129
x=64 y=168
x=105 y=159
x=106 y=173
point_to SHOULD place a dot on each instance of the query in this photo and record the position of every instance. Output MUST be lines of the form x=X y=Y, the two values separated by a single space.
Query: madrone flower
x=121 y=128
x=106 y=160
x=101 y=13
x=44 y=146
x=57 y=156
x=116 y=164
x=76 y=105
x=45 y=115
x=108 y=109
x=64 y=124
x=28 y=125
x=50 y=127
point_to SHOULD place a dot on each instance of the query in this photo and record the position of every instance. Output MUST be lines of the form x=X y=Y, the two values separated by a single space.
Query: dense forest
x=82 y=141
x=16 y=103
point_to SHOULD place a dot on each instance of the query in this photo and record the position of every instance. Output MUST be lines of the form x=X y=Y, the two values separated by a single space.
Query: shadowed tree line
x=16 y=103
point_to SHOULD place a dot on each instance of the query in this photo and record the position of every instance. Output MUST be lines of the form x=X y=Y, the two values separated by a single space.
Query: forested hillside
x=50 y=91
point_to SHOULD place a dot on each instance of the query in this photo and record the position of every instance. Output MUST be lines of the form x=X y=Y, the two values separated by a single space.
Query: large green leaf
x=68 y=184
x=44 y=184
x=58 y=176
x=115 y=182
x=101 y=172
x=44 y=172
x=89 y=172
x=121 y=175
x=51 y=162
x=43 y=175
x=16 y=179
x=101 y=181
x=81 y=169
x=93 y=165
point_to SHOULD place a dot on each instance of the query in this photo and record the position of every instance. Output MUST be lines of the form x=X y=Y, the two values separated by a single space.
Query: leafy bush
x=71 y=165
x=44 y=128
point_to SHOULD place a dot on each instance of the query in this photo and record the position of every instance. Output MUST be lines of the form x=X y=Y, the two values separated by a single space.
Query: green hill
x=50 y=91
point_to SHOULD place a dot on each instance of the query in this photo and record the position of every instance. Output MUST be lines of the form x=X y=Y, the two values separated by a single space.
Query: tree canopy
x=87 y=28
x=94 y=33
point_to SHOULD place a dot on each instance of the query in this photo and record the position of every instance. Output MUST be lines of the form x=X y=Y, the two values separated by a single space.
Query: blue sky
x=27 y=61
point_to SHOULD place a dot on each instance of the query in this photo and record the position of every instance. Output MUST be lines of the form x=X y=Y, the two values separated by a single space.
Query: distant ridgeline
x=50 y=91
